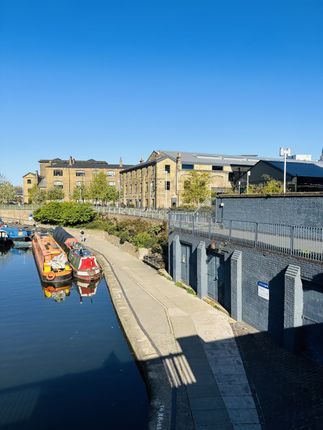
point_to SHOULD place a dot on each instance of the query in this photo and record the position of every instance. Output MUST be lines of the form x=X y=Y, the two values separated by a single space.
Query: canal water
x=64 y=361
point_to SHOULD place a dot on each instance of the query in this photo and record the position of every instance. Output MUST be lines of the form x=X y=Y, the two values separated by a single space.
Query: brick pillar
x=236 y=285
x=176 y=259
x=293 y=306
x=201 y=271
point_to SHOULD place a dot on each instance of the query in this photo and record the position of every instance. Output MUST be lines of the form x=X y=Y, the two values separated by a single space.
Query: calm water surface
x=63 y=364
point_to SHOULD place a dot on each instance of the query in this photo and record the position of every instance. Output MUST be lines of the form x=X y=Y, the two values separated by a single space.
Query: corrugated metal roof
x=297 y=168
x=215 y=159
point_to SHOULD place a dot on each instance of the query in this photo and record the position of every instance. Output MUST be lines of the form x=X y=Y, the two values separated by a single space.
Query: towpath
x=187 y=348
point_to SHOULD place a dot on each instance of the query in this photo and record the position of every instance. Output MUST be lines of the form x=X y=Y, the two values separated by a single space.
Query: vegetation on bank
x=138 y=232
x=65 y=213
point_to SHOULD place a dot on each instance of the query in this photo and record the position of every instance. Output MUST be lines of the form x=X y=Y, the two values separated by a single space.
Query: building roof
x=214 y=159
x=30 y=173
x=42 y=183
x=82 y=164
x=199 y=158
x=299 y=168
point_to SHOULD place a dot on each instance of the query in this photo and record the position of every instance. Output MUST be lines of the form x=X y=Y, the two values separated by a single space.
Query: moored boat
x=84 y=263
x=4 y=239
x=51 y=260
x=17 y=233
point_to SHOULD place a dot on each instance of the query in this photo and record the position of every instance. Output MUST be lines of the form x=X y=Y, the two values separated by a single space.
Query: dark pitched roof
x=296 y=168
x=85 y=164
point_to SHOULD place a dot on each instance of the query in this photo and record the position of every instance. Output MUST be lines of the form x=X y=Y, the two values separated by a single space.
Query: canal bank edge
x=146 y=354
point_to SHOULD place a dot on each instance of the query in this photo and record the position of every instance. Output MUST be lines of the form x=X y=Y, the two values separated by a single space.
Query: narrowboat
x=84 y=263
x=51 y=260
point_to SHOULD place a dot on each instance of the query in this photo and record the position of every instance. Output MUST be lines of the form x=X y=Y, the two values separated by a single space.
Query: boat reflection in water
x=4 y=248
x=58 y=294
x=86 y=289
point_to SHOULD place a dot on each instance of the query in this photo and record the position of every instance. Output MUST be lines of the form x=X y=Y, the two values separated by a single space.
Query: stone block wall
x=296 y=209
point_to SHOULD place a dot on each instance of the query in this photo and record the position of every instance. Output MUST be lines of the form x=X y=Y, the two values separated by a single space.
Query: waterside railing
x=299 y=241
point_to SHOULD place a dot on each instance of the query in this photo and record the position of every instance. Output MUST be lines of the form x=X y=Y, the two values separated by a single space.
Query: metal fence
x=19 y=207
x=300 y=241
x=159 y=214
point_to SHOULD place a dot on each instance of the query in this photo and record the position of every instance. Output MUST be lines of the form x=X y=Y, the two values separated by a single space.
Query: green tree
x=196 y=189
x=101 y=191
x=7 y=191
x=80 y=193
x=269 y=186
x=36 y=195
x=55 y=194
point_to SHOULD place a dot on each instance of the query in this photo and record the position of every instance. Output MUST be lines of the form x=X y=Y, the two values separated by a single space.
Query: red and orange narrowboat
x=51 y=260
x=84 y=263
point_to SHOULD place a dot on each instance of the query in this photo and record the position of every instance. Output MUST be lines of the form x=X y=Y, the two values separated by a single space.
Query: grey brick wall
x=269 y=267
x=281 y=210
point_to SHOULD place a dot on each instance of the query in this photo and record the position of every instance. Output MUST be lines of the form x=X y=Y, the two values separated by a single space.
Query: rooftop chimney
x=120 y=162
x=70 y=161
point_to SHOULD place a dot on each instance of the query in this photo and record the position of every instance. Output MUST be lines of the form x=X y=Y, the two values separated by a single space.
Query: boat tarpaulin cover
x=59 y=262
x=61 y=235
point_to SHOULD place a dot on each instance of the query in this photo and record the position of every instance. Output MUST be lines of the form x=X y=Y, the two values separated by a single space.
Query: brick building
x=69 y=174
x=159 y=181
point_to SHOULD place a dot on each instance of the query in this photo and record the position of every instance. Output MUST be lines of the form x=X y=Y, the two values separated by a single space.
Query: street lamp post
x=166 y=189
x=284 y=152
x=248 y=175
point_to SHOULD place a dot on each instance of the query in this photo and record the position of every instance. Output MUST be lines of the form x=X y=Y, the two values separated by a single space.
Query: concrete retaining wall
x=20 y=215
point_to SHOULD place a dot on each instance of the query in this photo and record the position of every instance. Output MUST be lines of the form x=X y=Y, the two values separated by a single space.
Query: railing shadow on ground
x=286 y=388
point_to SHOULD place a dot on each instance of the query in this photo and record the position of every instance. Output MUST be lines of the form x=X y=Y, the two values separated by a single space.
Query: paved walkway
x=205 y=386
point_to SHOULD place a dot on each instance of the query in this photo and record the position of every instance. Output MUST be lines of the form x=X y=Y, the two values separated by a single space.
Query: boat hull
x=53 y=277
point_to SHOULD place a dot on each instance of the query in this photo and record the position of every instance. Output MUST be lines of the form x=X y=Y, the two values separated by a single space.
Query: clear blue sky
x=103 y=79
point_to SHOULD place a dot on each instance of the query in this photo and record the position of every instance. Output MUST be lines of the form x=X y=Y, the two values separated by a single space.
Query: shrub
x=144 y=240
x=66 y=213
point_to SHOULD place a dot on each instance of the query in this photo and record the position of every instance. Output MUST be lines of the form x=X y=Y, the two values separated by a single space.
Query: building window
x=167 y=168
x=58 y=184
x=111 y=173
x=188 y=166
x=28 y=181
x=58 y=172
x=112 y=184
x=217 y=167
x=80 y=173
x=167 y=185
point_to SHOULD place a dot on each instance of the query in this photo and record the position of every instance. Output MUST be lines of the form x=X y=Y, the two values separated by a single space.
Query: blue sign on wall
x=263 y=290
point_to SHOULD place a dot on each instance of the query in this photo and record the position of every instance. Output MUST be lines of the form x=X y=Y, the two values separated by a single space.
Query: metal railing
x=19 y=207
x=299 y=241
x=159 y=214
